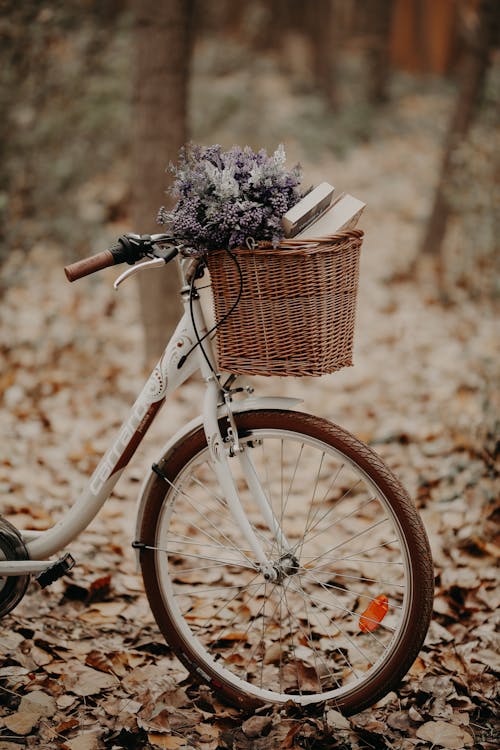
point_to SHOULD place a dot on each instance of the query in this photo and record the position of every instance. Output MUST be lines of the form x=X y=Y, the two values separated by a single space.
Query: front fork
x=220 y=453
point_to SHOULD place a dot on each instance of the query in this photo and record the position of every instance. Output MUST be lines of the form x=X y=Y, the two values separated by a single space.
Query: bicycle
x=282 y=559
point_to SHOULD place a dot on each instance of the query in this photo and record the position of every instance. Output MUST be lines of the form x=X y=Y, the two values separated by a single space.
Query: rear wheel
x=351 y=601
x=12 y=588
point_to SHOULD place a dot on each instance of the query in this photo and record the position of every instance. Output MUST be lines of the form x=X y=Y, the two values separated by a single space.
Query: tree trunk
x=380 y=14
x=162 y=49
x=475 y=66
x=321 y=27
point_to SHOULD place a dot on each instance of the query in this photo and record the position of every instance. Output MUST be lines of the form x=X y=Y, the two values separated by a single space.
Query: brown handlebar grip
x=89 y=265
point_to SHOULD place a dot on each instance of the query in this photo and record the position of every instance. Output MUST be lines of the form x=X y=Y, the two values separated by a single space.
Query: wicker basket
x=297 y=309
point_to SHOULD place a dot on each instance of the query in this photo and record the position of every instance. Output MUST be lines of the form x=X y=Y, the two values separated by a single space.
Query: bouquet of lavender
x=226 y=198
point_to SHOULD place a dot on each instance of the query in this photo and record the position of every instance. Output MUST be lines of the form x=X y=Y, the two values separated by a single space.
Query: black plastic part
x=159 y=472
x=56 y=571
x=132 y=247
x=168 y=254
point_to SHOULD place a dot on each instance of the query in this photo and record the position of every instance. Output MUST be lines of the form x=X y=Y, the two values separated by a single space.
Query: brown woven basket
x=297 y=309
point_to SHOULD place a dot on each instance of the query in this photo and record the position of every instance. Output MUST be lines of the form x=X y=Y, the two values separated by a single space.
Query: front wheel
x=349 y=607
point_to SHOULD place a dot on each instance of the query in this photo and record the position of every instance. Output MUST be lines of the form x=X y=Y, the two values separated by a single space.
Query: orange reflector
x=374 y=614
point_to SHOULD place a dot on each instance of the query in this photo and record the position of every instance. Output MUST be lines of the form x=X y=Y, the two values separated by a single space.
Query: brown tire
x=339 y=623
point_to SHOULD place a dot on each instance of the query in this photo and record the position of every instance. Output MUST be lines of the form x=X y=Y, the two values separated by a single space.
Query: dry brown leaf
x=65 y=725
x=65 y=701
x=99 y=661
x=72 y=666
x=256 y=725
x=442 y=734
x=11 y=641
x=464 y=578
x=207 y=732
x=40 y=657
x=273 y=653
x=452 y=662
x=438 y=634
x=102 y=613
x=119 y=662
x=166 y=742
x=22 y=722
x=442 y=606
x=99 y=589
x=157 y=721
x=399 y=720
x=336 y=720
x=84 y=741
x=90 y=682
x=232 y=636
x=32 y=708
x=414 y=714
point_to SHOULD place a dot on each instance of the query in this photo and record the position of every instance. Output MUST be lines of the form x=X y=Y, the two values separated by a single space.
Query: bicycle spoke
x=340 y=574
x=298 y=548
x=193 y=504
x=346 y=609
x=350 y=558
x=355 y=536
x=310 y=637
x=197 y=590
x=330 y=510
x=350 y=640
x=292 y=645
x=231 y=563
x=311 y=577
x=330 y=638
x=260 y=613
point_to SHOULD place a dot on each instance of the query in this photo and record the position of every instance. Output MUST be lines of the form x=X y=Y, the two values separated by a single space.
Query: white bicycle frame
x=181 y=358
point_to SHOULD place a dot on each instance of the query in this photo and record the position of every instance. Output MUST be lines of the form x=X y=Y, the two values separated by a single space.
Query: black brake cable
x=199 y=340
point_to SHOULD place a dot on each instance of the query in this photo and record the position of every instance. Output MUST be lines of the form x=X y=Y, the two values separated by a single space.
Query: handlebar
x=90 y=265
x=129 y=249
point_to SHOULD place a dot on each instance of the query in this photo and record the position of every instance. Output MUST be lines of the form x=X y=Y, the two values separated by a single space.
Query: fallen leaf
x=207 y=732
x=166 y=741
x=399 y=720
x=256 y=725
x=11 y=641
x=99 y=589
x=336 y=720
x=90 y=681
x=273 y=653
x=84 y=741
x=40 y=656
x=442 y=734
x=32 y=708
x=102 y=613
x=414 y=714
x=68 y=724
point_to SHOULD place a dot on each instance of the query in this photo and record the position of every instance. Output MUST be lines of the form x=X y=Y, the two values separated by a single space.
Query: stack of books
x=318 y=214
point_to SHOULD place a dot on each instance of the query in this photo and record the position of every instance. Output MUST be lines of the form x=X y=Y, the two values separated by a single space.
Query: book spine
x=291 y=228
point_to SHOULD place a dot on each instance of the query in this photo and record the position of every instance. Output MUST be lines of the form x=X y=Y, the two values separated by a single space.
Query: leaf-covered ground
x=82 y=664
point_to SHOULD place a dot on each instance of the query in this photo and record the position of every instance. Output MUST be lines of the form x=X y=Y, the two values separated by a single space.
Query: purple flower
x=227 y=197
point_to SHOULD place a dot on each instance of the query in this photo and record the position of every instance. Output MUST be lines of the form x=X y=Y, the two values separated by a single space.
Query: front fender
x=248 y=404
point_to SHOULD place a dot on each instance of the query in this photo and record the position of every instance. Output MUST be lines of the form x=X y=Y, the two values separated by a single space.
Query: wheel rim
x=316 y=633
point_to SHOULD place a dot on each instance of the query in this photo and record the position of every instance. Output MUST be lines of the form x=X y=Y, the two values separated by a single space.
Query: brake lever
x=154 y=263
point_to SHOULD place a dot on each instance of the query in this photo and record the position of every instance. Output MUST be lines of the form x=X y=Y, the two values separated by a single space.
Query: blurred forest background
x=97 y=97
x=394 y=101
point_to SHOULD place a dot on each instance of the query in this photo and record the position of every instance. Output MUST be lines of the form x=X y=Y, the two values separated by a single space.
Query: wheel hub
x=286 y=566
